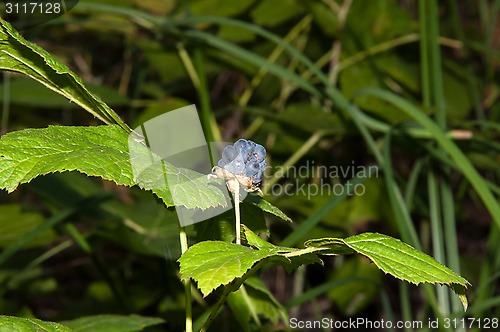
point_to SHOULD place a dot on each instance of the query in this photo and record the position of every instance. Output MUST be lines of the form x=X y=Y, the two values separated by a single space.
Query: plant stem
x=231 y=287
x=208 y=121
x=216 y=308
x=306 y=147
x=187 y=283
x=237 y=210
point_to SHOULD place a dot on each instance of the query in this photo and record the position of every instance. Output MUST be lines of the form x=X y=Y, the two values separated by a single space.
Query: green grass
x=393 y=106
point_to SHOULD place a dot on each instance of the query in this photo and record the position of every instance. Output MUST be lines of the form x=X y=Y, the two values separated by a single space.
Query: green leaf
x=257 y=301
x=41 y=97
x=103 y=151
x=238 y=35
x=215 y=263
x=18 y=324
x=99 y=151
x=16 y=224
x=218 y=7
x=145 y=227
x=274 y=12
x=22 y=56
x=221 y=227
x=266 y=206
x=111 y=323
x=396 y=258
x=311 y=118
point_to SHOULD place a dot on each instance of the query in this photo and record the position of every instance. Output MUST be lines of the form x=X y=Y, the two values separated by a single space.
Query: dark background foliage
x=118 y=253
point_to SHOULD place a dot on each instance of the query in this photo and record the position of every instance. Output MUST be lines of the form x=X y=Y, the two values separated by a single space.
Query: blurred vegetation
x=74 y=246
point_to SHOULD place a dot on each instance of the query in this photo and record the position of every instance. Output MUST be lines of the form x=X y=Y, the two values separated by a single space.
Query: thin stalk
x=251 y=306
x=236 y=196
x=445 y=191
x=212 y=133
x=379 y=48
x=184 y=247
x=411 y=185
x=187 y=282
x=424 y=60
x=404 y=298
x=273 y=57
x=400 y=210
x=436 y=70
x=216 y=308
x=387 y=308
x=49 y=254
x=337 y=44
x=450 y=234
x=486 y=17
x=486 y=286
x=437 y=235
x=438 y=189
x=376 y=49
x=227 y=290
x=298 y=288
x=473 y=87
x=308 y=145
x=188 y=65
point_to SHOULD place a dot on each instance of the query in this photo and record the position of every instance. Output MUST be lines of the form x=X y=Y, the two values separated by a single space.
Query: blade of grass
x=188 y=65
x=27 y=238
x=275 y=54
x=250 y=57
x=208 y=122
x=399 y=208
x=424 y=55
x=435 y=76
x=462 y=162
x=450 y=233
x=473 y=88
x=444 y=203
x=306 y=147
x=273 y=57
x=387 y=308
x=299 y=280
x=411 y=185
x=187 y=283
x=437 y=236
x=49 y=253
x=404 y=299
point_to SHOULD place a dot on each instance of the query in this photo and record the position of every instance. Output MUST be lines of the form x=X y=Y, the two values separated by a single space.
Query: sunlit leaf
x=397 y=259
x=111 y=323
x=215 y=263
x=22 y=56
x=18 y=324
